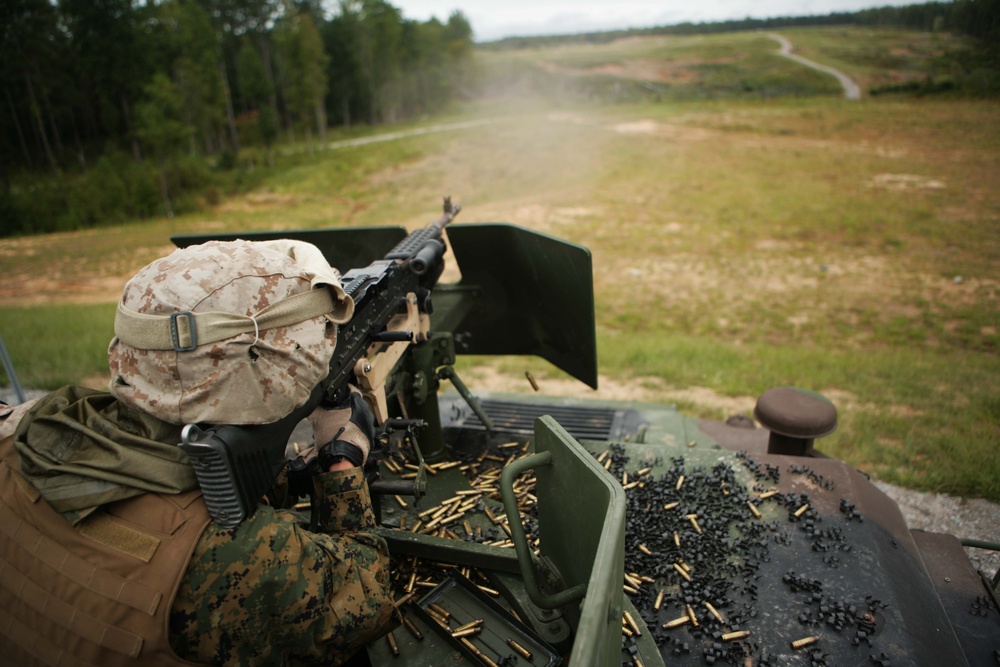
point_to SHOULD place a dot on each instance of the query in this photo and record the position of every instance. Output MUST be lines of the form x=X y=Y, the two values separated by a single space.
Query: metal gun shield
x=521 y=292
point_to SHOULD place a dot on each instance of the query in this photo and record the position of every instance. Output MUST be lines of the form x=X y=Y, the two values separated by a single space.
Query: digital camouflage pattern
x=252 y=378
x=270 y=592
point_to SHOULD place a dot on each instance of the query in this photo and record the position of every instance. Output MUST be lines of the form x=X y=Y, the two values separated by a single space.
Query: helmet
x=227 y=332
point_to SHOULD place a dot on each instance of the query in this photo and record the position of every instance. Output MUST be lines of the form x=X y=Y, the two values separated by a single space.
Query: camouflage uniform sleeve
x=342 y=502
x=272 y=592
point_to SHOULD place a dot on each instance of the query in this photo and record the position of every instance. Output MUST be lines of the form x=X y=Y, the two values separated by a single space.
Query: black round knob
x=795 y=418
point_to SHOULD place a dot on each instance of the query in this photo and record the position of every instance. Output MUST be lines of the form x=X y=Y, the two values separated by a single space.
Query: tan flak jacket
x=98 y=593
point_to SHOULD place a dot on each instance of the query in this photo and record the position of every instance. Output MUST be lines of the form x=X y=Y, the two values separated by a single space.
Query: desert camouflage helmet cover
x=227 y=332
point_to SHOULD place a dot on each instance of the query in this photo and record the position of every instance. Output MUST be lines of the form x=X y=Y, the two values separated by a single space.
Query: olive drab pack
x=227 y=332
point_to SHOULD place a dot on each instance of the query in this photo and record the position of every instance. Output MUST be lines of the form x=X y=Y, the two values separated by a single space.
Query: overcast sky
x=493 y=19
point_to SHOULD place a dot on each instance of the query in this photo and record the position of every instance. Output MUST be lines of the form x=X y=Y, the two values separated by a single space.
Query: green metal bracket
x=581 y=517
x=521 y=546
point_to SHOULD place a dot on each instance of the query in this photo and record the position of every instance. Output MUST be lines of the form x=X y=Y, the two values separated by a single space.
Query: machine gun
x=392 y=310
x=236 y=465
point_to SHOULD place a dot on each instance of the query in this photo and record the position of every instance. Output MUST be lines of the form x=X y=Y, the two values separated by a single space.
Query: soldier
x=107 y=552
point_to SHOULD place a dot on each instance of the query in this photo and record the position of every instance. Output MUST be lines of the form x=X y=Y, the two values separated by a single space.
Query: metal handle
x=449 y=373
x=524 y=555
x=8 y=366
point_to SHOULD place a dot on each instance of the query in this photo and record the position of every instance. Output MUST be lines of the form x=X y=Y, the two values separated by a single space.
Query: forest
x=117 y=109
x=114 y=110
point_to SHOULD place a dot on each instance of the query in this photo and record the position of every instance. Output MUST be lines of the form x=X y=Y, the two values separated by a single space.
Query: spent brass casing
x=476 y=652
x=413 y=629
x=466 y=632
x=403 y=600
x=632 y=624
x=444 y=613
x=694 y=619
x=438 y=617
x=805 y=641
x=523 y=652
x=715 y=612
x=471 y=624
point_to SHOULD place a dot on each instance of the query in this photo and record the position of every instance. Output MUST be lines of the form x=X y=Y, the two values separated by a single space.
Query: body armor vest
x=98 y=593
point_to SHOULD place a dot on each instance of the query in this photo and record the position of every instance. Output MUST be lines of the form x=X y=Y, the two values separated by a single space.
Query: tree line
x=129 y=104
x=979 y=19
x=119 y=109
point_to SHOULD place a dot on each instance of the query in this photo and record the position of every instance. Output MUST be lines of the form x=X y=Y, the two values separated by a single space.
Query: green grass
x=51 y=346
x=739 y=241
x=702 y=67
x=879 y=57
x=898 y=405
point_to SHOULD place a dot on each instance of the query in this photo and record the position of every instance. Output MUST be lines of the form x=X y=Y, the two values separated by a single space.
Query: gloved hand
x=300 y=472
x=344 y=432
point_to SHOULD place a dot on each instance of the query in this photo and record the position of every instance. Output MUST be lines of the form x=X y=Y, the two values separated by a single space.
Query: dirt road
x=851 y=90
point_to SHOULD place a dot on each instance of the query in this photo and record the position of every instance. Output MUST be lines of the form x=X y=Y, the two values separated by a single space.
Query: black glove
x=344 y=432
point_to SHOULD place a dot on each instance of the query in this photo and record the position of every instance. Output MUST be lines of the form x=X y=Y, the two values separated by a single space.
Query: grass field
x=741 y=240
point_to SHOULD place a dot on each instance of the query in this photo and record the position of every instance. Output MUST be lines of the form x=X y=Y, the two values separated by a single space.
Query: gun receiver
x=392 y=310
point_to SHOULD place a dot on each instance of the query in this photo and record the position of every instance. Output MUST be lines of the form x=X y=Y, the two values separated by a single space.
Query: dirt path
x=851 y=90
x=393 y=136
